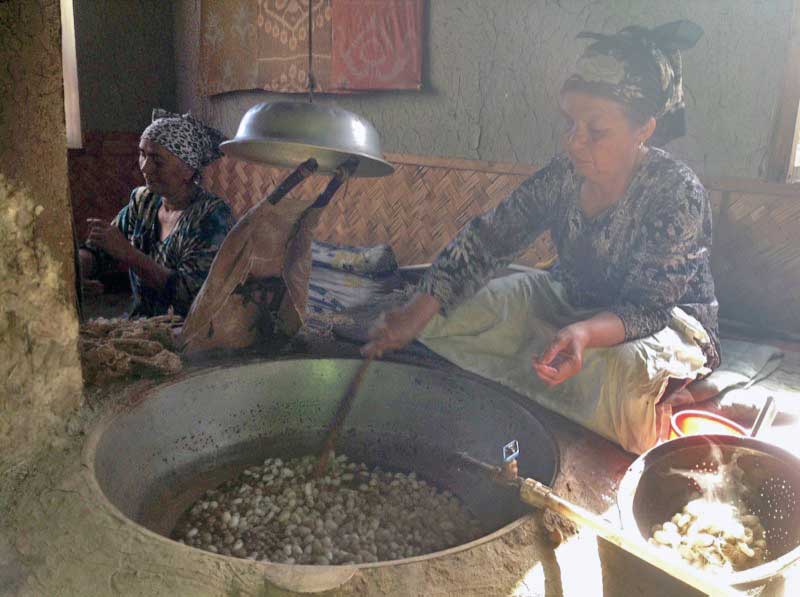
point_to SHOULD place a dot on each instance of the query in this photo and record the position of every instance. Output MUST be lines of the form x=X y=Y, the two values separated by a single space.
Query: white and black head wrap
x=186 y=137
x=642 y=69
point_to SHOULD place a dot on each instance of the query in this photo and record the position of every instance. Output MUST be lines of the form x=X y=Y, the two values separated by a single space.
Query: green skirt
x=496 y=333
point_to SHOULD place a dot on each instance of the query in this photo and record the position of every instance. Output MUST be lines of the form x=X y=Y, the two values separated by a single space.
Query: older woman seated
x=630 y=308
x=171 y=229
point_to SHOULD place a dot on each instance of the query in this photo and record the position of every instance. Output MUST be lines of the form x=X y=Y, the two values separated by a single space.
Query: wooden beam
x=743 y=185
x=750 y=185
x=783 y=140
x=723 y=184
x=461 y=164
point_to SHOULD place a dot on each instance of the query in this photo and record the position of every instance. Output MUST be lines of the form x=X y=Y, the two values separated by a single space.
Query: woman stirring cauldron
x=629 y=309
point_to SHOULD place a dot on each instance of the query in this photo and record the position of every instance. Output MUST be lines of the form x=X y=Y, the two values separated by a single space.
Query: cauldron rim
x=88 y=461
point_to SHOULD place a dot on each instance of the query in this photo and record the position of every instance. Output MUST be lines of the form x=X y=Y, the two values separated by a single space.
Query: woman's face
x=164 y=172
x=599 y=138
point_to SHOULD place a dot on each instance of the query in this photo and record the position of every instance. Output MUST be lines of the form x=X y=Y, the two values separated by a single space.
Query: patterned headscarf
x=186 y=137
x=642 y=69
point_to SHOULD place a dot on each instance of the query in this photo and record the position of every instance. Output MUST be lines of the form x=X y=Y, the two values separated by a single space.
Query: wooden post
x=783 y=140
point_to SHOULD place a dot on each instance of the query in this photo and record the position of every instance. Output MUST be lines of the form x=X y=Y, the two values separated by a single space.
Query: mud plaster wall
x=125 y=62
x=40 y=377
x=493 y=70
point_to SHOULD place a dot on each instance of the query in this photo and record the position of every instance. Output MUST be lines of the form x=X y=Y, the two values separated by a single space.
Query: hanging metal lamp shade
x=288 y=133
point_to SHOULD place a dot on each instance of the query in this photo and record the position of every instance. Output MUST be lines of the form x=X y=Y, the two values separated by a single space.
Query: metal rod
x=765 y=417
x=345 y=404
x=478 y=464
x=299 y=174
x=311 y=81
x=343 y=172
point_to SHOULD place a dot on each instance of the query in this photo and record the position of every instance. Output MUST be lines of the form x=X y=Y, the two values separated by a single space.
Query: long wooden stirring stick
x=538 y=495
x=341 y=413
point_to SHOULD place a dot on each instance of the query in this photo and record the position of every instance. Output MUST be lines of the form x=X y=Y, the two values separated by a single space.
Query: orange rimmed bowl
x=700 y=422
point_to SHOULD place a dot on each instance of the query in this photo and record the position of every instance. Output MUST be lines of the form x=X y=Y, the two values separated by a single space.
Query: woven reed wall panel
x=756 y=259
x=101 y=176
x=416 y=210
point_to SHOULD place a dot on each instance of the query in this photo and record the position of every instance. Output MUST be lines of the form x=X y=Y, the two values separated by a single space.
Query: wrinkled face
x=164 y=172
x=599 y=138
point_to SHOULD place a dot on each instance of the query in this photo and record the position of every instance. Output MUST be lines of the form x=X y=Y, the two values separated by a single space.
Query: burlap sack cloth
x=257 y=287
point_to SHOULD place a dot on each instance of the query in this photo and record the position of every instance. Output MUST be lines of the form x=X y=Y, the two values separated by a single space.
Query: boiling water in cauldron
x=279 y=511
x=155 y=460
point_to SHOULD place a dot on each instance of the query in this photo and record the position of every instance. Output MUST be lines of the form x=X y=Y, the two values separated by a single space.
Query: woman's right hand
x=399 y=327
x=109 y=238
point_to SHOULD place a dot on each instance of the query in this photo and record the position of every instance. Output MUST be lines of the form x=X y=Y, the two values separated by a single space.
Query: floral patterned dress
x=188 y=250
x=644 y=255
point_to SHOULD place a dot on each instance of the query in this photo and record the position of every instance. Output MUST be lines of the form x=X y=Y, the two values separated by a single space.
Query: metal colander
x=650 y=493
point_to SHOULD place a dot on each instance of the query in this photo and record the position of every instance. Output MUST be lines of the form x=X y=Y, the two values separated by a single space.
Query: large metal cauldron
x=155 y=459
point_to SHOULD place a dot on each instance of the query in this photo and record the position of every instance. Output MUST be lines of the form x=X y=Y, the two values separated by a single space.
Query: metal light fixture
x=287 y=133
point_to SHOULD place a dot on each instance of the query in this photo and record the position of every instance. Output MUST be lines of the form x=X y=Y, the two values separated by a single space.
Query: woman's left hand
x=109 y=238
x=563 y=357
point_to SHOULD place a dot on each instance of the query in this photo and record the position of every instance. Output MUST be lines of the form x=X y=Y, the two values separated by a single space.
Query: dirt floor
x=58 y=537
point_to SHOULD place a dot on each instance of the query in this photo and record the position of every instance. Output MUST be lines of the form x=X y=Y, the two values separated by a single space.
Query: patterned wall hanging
x=377 y=44
x=263 y=44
